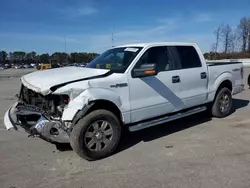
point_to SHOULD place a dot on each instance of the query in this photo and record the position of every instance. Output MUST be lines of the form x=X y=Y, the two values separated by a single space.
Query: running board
x=165 y=119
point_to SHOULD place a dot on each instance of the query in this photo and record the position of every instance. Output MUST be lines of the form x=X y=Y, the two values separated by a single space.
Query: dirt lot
x=192 y=152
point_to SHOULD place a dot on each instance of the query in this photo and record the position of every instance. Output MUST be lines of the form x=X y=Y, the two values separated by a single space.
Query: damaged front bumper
x=35 y=122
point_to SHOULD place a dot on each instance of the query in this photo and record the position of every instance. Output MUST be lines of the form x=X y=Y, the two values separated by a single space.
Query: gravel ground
x=192 y=152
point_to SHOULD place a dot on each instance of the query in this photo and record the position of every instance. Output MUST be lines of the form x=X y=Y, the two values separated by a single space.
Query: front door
x=153 y=96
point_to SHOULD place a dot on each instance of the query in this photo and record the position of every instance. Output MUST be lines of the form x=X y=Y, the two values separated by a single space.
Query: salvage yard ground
x=192 y=152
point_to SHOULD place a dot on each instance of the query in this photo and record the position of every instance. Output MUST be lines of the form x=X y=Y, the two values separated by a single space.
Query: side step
x=166 y=119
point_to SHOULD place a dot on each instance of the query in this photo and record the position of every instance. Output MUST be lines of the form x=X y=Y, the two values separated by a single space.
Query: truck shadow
x=239 y=103
x=130 y=139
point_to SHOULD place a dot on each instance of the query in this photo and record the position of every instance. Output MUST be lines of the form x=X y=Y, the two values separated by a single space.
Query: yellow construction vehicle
x=45 y=66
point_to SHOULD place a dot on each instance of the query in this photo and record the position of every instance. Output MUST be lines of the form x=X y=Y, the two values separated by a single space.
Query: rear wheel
x=248 y=80
x=222 y=104
x=96 y=135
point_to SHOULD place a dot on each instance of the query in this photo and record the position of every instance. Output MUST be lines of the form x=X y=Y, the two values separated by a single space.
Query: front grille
x=46 y=103
x=30 y=97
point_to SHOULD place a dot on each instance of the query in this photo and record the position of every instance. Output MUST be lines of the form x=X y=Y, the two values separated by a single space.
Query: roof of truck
x=157 y=44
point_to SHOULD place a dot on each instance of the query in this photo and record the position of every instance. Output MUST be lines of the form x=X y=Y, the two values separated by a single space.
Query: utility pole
x=65 y=45
x=112 y=39
x=65 y=50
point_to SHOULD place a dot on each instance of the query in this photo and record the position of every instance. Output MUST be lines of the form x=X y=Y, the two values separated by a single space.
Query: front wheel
x=96 y=135
x=222 y=104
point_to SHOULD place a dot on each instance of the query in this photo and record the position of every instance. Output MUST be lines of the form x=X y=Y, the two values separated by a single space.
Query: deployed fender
x=218 y=81
x=86 y=97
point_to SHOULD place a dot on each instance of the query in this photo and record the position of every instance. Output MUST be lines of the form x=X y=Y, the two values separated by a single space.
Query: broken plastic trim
x=42 y=126
x=81 y=113
x=51 y=130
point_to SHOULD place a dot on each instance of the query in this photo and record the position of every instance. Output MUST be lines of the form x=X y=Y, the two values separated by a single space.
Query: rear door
x=192 y=75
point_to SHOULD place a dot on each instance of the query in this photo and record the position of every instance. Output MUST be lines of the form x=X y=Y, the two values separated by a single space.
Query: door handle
x=203 y=75
x=175 y=79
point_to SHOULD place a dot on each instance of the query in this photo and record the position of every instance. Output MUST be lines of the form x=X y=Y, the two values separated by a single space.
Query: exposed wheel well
x=107 y=105
x=227 y=84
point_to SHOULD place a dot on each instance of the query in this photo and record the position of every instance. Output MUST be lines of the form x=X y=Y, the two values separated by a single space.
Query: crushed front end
x=38 y=115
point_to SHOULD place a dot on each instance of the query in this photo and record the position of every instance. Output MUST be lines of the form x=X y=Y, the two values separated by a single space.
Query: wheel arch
x=94 y=98
x=223 y=80
x=98 y=105
x=226 y=83
x=106 y=105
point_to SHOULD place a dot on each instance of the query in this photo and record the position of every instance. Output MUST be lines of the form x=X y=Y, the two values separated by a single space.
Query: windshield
x=116 y=59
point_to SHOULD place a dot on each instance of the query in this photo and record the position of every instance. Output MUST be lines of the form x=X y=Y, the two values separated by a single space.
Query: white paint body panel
x=142 y=98
x=98 y=89
x=42 y=81
x=218 y=74
x=245 y=61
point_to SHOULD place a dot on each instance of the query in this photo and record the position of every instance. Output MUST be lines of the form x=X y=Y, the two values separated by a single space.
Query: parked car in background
x=27 y=66
x=55 y=65
x=7 y=65
x=82 y=64
x=33 y=65
x=78 y=64
x=2 y=67
x=19 y=66
x=134 y=86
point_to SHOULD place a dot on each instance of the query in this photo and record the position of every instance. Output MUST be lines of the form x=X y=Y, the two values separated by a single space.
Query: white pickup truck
x=135 y=86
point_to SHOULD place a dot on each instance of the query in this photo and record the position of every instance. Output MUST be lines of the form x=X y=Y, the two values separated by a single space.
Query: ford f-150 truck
x=134 y=86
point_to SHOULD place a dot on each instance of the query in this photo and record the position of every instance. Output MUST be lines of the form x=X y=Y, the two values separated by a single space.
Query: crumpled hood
x=42 y=81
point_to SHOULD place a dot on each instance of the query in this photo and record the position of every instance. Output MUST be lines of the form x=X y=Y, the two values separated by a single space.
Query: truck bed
x=210 y=63
x=218 y=71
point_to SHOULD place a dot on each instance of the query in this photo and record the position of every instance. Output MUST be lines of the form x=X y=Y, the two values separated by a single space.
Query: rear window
x=185 y=56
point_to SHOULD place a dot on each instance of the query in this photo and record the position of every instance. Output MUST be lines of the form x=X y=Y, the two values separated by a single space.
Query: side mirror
x=145 y=70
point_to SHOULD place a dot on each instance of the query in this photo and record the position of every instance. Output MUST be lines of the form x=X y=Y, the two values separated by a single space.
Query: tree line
x=57 y=57
x=231 y=43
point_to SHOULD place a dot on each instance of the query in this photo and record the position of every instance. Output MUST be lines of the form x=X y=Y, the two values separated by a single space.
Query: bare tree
x=227 y=37
x=248 y=26
x=217 y=34
x=244 y=29
x=213 y=48
x=238 y=40
x=232 y=43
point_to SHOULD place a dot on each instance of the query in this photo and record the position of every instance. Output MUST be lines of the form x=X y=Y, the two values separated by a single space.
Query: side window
x=185 y=57
x=155 y=55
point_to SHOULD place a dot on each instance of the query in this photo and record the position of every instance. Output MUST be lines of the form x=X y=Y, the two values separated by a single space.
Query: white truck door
x=157 y=95
x=192 y=75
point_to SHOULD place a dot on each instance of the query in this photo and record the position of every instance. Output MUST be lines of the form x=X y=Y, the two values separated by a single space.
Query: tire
x=221 y=109
x=248 y=80
x=91 y=129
